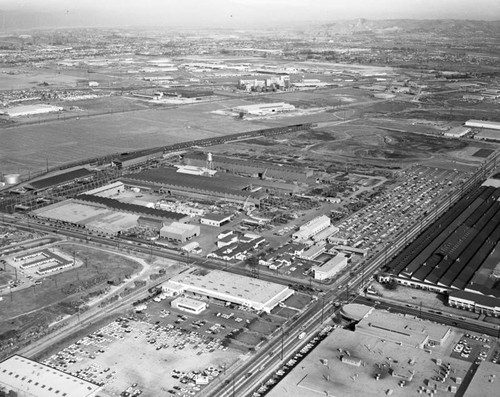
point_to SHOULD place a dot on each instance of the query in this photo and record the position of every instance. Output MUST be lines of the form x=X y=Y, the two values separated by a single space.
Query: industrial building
x=62 y=179
x=460 y=252
x=312 y=227
x=457 y=132
x=407 y=331
x=250 y=292
x=109 y=190
x=220 y=187
x=216 y=220
x=189 y=305
x=22 y=377
x=330 y=268
x=489 y=125
x=265 y=109
x=474 y=302
x=254 y=168
x=492 y=135
x=350 y=363
x=180 y=232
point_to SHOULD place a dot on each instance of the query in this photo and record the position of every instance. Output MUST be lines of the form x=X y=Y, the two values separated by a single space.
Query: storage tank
x=11 y=179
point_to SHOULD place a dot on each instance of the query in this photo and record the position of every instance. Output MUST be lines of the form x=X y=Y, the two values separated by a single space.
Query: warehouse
x=330 y=268
x=20 y=376
x=189 y=305
x=216 y=220
x=265 y=109
x=180 y=232
x=250 y=292
x=311 y=228
x=491 y=125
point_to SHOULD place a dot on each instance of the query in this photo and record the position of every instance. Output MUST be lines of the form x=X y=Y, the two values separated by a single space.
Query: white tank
x=11 y=179
x=209 y=157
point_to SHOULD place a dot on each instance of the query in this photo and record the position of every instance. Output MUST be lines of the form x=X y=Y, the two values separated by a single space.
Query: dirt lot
x=55 y=295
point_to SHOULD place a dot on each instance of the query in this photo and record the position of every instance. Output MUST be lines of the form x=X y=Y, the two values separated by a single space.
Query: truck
x=302 y=335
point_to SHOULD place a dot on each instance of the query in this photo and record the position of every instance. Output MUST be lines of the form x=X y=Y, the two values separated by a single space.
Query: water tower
x=210 y=163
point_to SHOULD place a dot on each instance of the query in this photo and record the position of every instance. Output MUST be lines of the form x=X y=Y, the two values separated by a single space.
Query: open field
x=59 y=294
x=28 y=147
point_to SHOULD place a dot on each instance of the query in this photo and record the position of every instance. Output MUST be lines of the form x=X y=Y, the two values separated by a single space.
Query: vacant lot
x=60 y=293
x=28 y=147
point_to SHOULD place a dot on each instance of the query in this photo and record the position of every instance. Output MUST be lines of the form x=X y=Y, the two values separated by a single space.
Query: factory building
x=250 y=292
x=254 y=168
x=311 y=228
x=180 y=232
x=168 y=181
x=216 y=220
x=22 y=377
x=265 y=109
x=330 y=268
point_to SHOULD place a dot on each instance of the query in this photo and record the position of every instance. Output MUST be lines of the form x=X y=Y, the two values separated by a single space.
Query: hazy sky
x=234 y=12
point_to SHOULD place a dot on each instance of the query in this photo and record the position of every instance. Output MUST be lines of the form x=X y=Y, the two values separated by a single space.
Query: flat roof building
x=402 y=330
x=330 y=268
x=20 y=376
x=265 y=109
x=179 y=231
x=189 y=305
x=314 y=226
x=216 y=220
x=254 y=293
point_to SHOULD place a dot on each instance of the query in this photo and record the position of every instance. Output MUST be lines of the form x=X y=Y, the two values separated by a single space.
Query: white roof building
x=228 y=287
x=491 y=125
x=314 y=226
x=330 y=268
x=26 y=377
x=265 y=108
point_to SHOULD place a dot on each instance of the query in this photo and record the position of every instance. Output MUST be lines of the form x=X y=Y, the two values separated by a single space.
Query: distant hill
x=445 y=27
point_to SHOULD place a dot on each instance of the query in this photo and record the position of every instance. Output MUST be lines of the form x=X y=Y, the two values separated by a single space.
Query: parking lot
x=476 y=348
x=390 y=213
x=115 y=356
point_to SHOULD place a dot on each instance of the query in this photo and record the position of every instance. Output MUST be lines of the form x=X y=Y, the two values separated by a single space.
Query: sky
x=215 y=13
